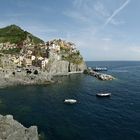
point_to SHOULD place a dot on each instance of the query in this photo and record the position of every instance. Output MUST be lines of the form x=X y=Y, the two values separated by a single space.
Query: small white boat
x=103 y=94
x=70 y=101
x=99 y=69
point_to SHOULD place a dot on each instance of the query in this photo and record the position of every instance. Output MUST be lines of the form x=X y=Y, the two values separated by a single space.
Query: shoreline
x=99 y=75
x=68 y=73
x=7 y=79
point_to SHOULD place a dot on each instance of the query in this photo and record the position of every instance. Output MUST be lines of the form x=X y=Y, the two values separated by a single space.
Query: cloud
x=117 y=22
x=106 y=39
x=135 y=49
x=103 y=13
x=77 y=3
x=116 y=12
x=76 y=15
x=85 y=22
x=101 y=10
x=15 y=15
x=41 y=29
x=98 y=49
x=81 y=10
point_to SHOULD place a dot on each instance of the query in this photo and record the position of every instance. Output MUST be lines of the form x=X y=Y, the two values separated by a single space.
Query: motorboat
x=99 y=69
x=70 y=101
x=103 y=94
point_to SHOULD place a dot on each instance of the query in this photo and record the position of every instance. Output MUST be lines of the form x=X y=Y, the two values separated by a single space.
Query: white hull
x=70 y=101
x=103 y=94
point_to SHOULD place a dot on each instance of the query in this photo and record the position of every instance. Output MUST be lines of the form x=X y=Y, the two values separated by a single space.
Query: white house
x=54 y=47
x=32 y=57
x=29 y=52
x=40 y=58
x=44 y=62
x=21 y=58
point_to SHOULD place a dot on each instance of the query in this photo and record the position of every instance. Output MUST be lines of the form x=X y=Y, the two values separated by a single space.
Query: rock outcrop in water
x=100 y=76
x=10 y=129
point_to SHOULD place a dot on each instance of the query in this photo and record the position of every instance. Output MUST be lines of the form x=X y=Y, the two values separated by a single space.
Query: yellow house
x=27 y=62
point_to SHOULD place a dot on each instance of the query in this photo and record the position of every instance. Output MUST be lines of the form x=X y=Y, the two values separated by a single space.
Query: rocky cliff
x=10 y=129
x=66 y=58
x=78 y=67
x=63 y=67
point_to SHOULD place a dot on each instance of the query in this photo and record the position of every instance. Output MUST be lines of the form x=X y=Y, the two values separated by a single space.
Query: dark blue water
x=115 y=118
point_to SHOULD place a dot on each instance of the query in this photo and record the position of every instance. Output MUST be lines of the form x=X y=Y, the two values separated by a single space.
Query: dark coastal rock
x=77 y=67
x=10 y=129
x=100 y=76
x=58 y=67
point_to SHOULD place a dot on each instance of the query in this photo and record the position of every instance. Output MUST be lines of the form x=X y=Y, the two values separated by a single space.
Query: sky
x=101 y=29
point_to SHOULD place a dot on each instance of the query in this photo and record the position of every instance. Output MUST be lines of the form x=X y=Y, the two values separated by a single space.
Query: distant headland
x=26 y=59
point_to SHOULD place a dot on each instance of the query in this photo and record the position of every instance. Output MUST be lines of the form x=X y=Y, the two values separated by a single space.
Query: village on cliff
x=36 y=55
x=26 y=59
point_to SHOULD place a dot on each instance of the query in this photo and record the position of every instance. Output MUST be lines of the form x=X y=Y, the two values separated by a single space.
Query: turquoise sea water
x=115 y=118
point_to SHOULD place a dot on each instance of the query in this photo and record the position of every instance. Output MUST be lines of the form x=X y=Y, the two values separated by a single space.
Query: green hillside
x=15 y=34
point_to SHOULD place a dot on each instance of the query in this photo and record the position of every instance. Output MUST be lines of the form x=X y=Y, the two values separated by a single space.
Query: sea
x=92 y=118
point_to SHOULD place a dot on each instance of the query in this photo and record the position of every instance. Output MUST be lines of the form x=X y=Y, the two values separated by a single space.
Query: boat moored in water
x=99 y=69
x=70 y=101
x=103 y=94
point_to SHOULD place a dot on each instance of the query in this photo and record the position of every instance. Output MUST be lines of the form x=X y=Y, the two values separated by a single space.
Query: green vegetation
x=68 y=53
x=1 y=55
x=11 y=51
x=15 y=34
x=64 y=49
x=74 y=58
x=86 y=71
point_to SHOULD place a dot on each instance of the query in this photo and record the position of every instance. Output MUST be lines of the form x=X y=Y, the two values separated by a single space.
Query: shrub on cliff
x=11 y=51
x=86 y=71
x=74 y=58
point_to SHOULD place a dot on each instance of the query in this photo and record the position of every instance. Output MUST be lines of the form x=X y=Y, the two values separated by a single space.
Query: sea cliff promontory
x=26 y=59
